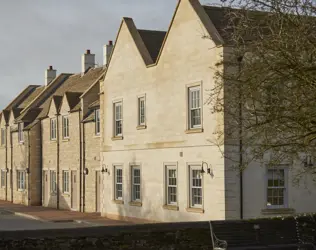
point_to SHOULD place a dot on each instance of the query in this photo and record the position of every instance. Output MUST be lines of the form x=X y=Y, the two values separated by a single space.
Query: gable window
x=196 y=188
x=118 y=183
x=65 y=181
x=194 y=104
x=118 y=119
x=20 y=132
x=141 y=111
x=21 y=179
x=3 y=175
x=136 y=184
x=97 y=122
x=53 y=182
x=276 y=188
x=3 y=135
x=171 y=185
x=53 y=129
x=65 y=127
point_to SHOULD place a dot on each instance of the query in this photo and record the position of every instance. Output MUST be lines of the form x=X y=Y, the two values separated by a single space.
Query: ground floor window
x=53 y=182
x=171 y=184
x=118 y=183
x=276 y=188
x=65 y=181
x=136 y=184
x=3 y=175
x=196 y=186
x=21 y=176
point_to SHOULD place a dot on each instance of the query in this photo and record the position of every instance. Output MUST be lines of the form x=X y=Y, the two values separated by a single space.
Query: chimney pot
x=110 y=42
x=50 y=67
x=88 y=51
x=107 y=50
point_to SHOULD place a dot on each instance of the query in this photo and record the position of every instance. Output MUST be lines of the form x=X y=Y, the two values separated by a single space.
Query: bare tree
x=270 y=98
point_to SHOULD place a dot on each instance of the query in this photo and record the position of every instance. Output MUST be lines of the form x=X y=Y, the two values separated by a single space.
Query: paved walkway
x=54 y=215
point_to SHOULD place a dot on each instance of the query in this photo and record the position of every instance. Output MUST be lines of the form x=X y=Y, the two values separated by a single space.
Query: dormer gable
x=69 y=101
x=54 y=106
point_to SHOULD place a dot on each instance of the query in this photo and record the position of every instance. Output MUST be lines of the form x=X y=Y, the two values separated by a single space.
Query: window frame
x=115 y=120
x=133 y=198
x=190 y=89
x=53 y=129
x=65 y=127
x=53 y=181
x=116 y=183
x=139 y=111
x=97 y=122
x=285 y=170
x=20 y=132
x=21 y=182
x=3 y=137
x=66 y=188
x=3 y=178
x=167 y=167
x=195 y=167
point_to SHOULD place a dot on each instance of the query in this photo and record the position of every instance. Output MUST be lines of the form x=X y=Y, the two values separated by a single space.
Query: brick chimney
x=50 y=75
x=87 y=61
x=107 y=50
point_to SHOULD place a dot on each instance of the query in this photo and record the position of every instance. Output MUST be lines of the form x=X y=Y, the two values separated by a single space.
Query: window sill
x=276 y=211
x=66 y=194
x=135 y=203
x=171 y=207
x=140 y=127
x=53 y=194
x=117 y=138
x=120 y=202
x=194 y=130
x=21 y=190
x=97 y=135
x=53 y=141
x=195 y=210
x=65 y=139
x=21 y=142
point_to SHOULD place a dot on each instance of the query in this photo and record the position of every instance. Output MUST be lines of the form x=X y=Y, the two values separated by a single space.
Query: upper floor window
x=20 y=132
x=141 y=111
x=65 y=127
x=276 y=188
x=118 y=119
x=3 y=135
x=53 y=129
x=194 y=104
x=97 y=122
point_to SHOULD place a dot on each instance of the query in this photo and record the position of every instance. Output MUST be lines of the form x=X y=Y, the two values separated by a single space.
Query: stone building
x=158 y=159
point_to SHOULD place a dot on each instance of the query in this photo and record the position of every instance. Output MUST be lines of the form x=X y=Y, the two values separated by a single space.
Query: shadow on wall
x=64 y=200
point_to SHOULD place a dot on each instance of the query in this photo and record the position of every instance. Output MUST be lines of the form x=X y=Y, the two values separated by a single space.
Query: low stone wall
x=165 y=236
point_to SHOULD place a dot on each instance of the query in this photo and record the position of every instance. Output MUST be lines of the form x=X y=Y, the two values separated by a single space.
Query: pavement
x=51 y=215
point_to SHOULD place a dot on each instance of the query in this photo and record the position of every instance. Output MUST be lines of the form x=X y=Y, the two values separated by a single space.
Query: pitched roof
x=73 y=85
x=95 y=104
x=153 y=40
x=89 y=117
x=73 y=98
x=31 y=96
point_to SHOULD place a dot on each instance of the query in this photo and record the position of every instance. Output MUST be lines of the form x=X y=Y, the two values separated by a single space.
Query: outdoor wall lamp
x=105 y=169
x=208 y=169
x=308 y=161
x=27 y=170
x=86 y=171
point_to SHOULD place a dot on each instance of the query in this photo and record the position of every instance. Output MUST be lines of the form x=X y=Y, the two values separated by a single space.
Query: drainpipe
x=6 y=162
x=58 y=148
x=83 y=167
x=240 y=147
x=41 y=163
x=81 y=206
x=29 y=169
x=11 y=175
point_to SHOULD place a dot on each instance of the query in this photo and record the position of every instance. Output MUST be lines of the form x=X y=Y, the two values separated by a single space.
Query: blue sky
x=39 y=33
